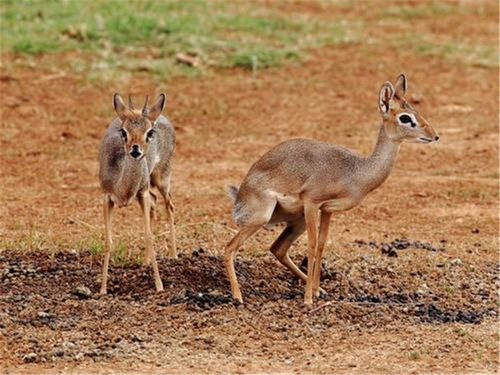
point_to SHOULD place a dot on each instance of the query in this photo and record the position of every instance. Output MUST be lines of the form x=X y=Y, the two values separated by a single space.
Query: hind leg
x=282 y=244
x=231 y=248
x=280 y=247
x=153 y=200
x=163 y=185
x=252 y=214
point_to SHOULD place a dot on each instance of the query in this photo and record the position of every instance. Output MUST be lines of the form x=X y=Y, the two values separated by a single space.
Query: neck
x=130 y=178
x=376 y=168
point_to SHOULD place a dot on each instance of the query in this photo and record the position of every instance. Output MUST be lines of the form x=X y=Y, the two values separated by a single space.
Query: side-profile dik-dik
x=299 y=178
x=135 y=156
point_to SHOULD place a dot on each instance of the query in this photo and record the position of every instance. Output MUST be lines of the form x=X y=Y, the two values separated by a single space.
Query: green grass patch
x=480 y=55
x=152 y=33
x=95 y=247
x=422 y=10
x=477 y=55
x=261 y=58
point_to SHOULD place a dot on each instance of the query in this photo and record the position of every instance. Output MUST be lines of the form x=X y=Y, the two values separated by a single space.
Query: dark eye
x=123 y=132
x=149 y=135
x=406 y=119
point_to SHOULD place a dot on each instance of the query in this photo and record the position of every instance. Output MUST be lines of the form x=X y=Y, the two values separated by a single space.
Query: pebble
x=82 y=292
x=456 y=262
x=31 y=357
x=68 y=344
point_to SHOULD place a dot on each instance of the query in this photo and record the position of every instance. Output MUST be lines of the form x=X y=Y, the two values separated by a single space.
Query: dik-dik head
x=138 y=127
x=401 y=121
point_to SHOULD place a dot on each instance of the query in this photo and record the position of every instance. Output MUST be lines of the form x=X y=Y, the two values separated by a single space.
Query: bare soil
x=50 y=318
x=411 y=274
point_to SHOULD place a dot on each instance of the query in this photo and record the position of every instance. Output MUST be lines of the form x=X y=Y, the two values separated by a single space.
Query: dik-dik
x=300 y=178
x=135 y=156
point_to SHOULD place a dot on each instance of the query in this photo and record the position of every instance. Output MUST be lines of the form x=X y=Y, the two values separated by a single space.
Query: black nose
x=436 y=138
x=135 y=153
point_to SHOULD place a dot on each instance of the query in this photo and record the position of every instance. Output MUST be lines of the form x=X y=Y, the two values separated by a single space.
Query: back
x=304 y=159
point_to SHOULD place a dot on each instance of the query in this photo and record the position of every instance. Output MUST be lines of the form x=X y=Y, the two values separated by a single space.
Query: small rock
x=44 y=315
x=31 y=357
x=392 y=253
x=456 y=262
x=196 y=253
x=82 y=292
x=68 y=344
x=475 y=230
x=423 y=290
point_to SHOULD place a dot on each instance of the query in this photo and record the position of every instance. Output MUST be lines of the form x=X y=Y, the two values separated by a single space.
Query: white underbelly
x=289 y=203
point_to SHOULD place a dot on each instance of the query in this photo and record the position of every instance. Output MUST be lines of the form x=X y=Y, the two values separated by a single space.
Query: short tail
x=232 y=192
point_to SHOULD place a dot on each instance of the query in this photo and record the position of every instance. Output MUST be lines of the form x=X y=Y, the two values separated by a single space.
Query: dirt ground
x=411 y=274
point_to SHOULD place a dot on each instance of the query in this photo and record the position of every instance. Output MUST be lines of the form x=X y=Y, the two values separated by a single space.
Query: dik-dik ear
x=401 y=86
x=156 y=108
x=385 y=96
x=120 y=108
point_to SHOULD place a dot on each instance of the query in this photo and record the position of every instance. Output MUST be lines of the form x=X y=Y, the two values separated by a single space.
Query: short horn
x=145 y=109
x=130 y=104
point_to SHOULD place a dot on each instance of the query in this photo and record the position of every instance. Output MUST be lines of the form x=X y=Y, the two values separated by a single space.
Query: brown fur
x=298 y=178
x=131 y=163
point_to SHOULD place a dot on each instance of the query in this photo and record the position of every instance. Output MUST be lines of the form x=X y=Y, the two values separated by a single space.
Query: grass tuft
x=222 y=34
x=257 y=59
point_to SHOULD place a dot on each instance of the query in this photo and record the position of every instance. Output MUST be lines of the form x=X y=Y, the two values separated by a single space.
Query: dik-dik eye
x=123 y=133
x=150 y=134
x=406 y=119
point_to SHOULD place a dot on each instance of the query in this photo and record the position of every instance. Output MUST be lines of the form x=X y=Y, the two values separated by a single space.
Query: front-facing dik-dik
x=135 y=156
x=300 y=178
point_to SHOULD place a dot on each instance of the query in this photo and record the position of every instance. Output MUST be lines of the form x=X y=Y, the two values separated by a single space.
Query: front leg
x=108 y=206
x=324 y=224
x=144 y=201
x=311 y=218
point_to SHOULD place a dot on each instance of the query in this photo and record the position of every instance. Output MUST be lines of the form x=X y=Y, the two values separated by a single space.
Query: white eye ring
x=412 y=119
x=147 y=133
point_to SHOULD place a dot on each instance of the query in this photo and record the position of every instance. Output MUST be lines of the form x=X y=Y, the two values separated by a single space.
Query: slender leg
x=231 y=248
x=153 y=214
x=324 y=224
x=144 y=200
x=164 y=188
x=280 y=247
x=108 y=212
x=153 y=206
x=170 y=212
x=311 y=218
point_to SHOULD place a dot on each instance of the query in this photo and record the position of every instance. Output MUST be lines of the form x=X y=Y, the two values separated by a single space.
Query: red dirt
x=422 y=311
